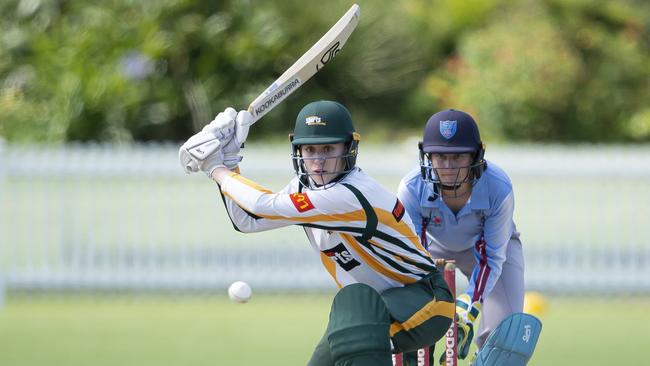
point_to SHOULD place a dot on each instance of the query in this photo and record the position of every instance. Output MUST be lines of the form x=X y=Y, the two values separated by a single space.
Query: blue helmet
x=451 y=132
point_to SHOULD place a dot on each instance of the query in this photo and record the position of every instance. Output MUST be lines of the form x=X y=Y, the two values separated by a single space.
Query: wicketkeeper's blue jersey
x=485 y=223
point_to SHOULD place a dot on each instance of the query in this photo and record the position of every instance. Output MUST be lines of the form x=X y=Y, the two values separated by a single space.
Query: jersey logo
x=342 y=256
x=437 y=221
x=301 y=201
x=398 y=211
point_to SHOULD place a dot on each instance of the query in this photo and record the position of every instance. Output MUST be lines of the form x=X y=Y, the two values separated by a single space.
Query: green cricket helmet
x=324 y=122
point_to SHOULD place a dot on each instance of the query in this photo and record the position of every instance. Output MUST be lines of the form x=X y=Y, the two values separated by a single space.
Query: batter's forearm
x=219 y=174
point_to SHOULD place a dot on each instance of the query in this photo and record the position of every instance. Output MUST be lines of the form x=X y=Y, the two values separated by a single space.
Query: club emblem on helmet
x=448 y=129
x=314 y=120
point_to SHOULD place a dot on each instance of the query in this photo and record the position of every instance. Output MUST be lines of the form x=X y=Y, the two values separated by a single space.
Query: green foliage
x=613 y=41
x=516 y=82
x=124 y=70
x=560 y=71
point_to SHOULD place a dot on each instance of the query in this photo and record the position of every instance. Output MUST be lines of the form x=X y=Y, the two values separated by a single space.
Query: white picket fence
x=112 y=217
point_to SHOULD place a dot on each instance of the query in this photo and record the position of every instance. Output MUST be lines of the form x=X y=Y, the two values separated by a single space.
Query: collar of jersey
x=478 y=201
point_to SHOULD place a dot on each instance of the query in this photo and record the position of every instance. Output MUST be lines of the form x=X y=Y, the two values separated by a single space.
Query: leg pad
x=358 y=330
x=512 y=343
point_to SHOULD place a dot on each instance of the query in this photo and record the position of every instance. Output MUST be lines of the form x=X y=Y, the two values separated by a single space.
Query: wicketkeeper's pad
x=512 y=343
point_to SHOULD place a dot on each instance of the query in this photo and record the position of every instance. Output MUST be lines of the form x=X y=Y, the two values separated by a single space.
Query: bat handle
x=192 y=166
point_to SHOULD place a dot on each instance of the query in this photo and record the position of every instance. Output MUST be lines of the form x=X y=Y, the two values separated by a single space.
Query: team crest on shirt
x=314 y=120
x=342 y=256
x=301 y=202
x=436 y=220
x=448 y=129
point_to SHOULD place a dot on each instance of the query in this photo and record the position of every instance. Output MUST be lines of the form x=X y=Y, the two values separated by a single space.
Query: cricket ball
x=240 y=292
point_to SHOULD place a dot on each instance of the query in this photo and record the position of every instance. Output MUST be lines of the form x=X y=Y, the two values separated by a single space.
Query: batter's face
x=451 y=169
x=323 y=162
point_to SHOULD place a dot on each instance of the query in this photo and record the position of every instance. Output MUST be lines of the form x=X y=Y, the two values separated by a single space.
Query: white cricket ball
x=240 y=292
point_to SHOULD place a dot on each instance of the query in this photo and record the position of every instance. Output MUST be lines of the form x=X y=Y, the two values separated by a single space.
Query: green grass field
x=270 y=330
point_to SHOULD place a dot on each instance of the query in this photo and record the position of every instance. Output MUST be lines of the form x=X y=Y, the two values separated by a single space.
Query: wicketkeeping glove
x=467 y=312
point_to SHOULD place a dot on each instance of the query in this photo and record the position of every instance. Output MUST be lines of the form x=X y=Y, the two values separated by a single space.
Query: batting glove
x=201 y=152
x=233 y=126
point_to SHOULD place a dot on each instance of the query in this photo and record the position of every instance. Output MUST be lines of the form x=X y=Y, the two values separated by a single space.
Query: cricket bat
x=312 y=61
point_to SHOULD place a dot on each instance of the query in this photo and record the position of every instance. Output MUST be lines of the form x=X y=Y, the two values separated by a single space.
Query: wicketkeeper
x=462 y=207
x=391 y=298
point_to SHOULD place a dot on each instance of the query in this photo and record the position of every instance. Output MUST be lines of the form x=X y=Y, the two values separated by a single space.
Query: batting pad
x=358 y=328
x=512 y=343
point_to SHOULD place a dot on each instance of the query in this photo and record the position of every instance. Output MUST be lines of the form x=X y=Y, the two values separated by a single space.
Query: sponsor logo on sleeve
x=301 y=201
x=398 y=211
x=342 y=256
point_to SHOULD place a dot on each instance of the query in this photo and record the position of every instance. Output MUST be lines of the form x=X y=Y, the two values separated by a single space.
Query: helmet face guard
x=429 y=173
x=320 y=123
x=306 y=178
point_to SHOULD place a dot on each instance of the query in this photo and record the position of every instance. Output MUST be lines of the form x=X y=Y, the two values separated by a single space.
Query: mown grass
x=270 y=330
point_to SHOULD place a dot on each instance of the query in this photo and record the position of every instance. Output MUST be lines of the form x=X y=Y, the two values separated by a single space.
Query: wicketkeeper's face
x=451 y=169
x=323 y=162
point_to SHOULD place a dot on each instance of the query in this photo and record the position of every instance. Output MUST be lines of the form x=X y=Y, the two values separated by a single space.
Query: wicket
x=451 y=349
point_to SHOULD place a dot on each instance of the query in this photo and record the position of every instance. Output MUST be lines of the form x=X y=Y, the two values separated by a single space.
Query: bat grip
x=192 y=166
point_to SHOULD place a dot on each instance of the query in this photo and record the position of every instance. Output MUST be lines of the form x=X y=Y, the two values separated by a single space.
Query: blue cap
x=451 y=131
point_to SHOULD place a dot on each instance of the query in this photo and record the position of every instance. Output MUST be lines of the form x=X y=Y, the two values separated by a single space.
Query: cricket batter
x=462 y=207
x=391 y=298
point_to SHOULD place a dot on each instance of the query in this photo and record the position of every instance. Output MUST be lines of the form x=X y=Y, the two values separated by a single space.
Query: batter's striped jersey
x=361 y=231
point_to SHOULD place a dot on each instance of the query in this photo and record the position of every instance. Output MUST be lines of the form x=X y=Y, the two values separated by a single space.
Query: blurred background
x=109 y=254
